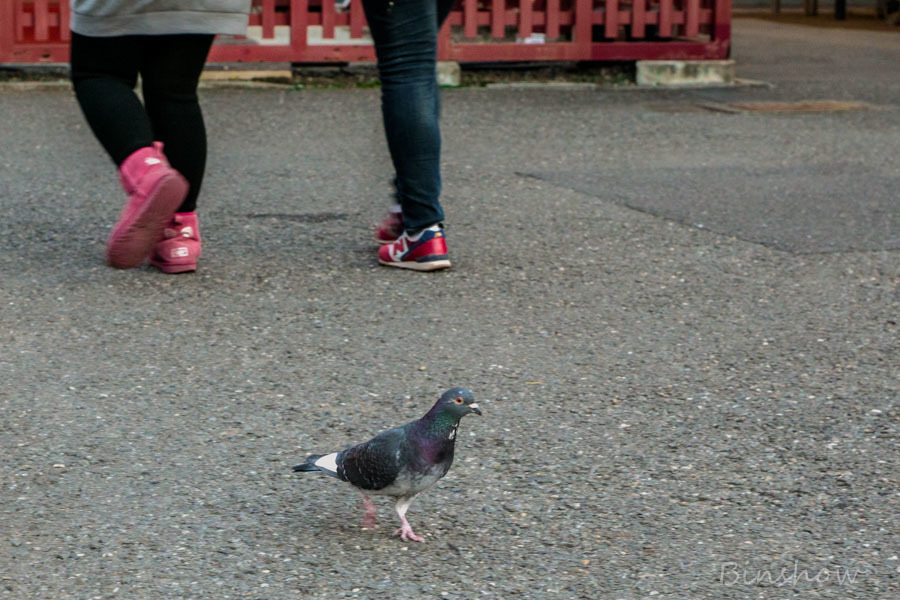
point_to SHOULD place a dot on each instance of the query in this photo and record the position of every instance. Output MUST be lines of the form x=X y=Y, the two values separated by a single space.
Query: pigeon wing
x=375 y=464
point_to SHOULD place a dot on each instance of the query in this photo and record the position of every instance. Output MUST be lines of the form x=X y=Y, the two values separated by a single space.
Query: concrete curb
x=245 y=75
x=737 y=83
x=449 y=74
x=28 y=86
x=685 y=72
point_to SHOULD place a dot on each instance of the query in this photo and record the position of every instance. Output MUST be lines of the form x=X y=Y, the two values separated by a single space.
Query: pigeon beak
x=474 y=408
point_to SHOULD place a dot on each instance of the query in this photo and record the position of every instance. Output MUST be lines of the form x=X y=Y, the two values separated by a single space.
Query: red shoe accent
x=428 y=252
x=433 y=247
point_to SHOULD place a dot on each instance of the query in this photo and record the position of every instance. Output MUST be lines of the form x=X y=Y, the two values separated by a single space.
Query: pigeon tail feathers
x=304 y=467
x=326 y=463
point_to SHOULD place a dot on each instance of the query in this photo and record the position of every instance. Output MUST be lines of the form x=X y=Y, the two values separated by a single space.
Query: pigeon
x=403 y=461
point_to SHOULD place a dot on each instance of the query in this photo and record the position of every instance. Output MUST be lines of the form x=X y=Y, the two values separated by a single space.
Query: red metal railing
x=313 y=31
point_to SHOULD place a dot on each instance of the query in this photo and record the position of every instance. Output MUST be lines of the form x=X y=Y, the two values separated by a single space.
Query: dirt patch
x=472 y=75
x=802 y=106
x=10 y=74
x=618 y=73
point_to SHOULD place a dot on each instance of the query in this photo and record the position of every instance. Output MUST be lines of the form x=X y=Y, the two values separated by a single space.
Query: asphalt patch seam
x=773 y=245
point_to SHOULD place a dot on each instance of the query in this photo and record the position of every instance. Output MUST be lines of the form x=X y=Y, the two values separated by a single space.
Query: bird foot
x=406 y=533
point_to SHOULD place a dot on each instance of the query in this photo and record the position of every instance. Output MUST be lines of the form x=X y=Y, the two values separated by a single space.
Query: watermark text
x=731 y=574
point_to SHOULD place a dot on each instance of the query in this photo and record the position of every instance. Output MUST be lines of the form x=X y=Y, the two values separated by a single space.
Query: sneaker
x=424 y=251
x=155 y=190
x=179 y=248
x=391 y=227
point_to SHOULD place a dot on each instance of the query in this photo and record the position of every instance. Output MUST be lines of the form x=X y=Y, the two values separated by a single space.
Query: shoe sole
x=174 y=268
x=431 y=265
x=132 y=241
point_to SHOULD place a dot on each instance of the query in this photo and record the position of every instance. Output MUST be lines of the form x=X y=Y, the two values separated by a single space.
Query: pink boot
x=179 y=248
x=391 y=227
x=156 y=190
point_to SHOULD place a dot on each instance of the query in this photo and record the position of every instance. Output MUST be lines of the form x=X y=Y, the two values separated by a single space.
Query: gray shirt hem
x=160 y=23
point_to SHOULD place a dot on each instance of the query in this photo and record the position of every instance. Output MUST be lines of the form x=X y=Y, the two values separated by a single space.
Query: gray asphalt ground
x=681 y=324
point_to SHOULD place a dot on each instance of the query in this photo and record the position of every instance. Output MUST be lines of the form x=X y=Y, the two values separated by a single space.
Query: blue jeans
x=405 y=34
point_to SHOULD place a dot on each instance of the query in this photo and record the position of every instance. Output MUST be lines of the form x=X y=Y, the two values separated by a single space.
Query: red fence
x=313 y=31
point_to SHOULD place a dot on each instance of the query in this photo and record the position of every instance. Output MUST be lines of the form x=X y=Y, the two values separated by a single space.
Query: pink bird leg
x=369 y=513
x=405 y=532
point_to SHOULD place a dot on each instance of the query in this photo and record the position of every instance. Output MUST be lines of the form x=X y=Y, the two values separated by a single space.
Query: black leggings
x=104 y=74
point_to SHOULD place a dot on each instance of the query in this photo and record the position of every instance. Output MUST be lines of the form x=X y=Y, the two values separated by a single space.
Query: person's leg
x=405 y=34
x=170 y=69
x=104 y=73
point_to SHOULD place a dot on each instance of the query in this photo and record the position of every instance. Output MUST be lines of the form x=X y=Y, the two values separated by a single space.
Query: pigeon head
x=457 y=402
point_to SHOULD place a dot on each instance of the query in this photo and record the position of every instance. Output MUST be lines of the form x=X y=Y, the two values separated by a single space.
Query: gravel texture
x=670 y=411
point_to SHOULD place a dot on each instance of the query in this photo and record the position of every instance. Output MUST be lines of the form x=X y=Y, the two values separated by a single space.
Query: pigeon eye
x=458 y=400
